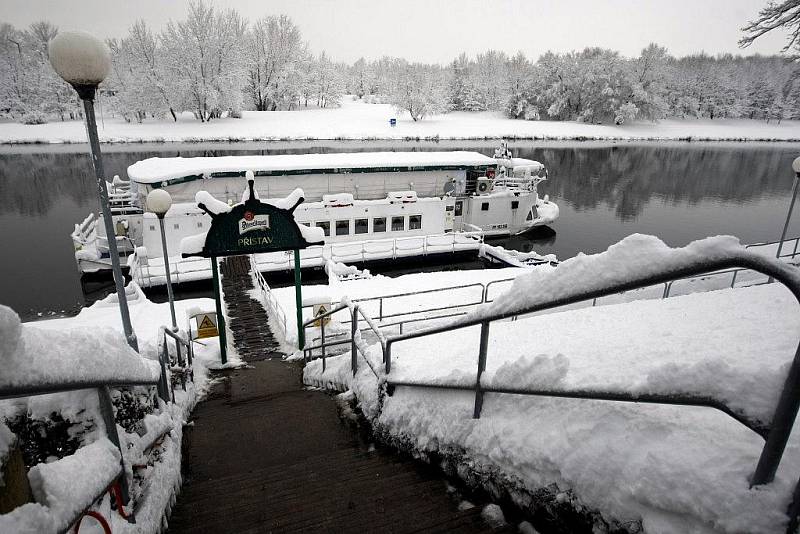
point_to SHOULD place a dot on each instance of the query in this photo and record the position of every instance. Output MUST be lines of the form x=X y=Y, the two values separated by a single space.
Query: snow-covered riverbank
x=357 y=120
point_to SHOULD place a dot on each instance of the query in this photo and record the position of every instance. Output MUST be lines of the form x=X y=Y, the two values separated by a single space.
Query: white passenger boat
x=367 y=203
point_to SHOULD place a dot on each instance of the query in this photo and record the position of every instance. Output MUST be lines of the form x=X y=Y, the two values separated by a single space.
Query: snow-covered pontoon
x=442 y=201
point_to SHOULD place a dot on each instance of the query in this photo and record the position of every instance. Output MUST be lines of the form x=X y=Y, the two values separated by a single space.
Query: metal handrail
x=106 y=412
x=269 y=298
x=107 y=408
x=776 y=432
x=355 y=336
x=165 y=331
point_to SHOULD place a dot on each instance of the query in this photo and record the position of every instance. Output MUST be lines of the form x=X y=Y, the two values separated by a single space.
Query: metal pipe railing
x=776 y=431
x=106 y=405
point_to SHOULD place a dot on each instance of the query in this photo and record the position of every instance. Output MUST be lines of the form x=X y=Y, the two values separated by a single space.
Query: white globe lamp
x=81 y=59
x=159 y=201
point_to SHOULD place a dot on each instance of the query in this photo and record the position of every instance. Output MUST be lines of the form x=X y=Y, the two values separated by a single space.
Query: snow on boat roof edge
x=154 y=170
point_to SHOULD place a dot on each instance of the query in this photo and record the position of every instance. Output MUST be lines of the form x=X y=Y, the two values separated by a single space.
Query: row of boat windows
x=362 y=226
x=177 y=226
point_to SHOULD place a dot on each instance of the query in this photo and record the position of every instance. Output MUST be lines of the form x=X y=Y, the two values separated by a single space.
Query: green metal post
x=223 y=340
x=298 y=300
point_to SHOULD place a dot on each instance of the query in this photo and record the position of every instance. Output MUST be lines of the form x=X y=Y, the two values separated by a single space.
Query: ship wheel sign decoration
x=251 y=227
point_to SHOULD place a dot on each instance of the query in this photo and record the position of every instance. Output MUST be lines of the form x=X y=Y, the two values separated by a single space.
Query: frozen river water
x=606 y=190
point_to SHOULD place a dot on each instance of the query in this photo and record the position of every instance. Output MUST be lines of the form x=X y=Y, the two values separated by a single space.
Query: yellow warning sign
x=320 y=309
x=207 y=325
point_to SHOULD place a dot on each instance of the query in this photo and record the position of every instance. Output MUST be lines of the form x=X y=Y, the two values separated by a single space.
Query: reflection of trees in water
x=30 y=184
x=627 y=177
x=624 y=177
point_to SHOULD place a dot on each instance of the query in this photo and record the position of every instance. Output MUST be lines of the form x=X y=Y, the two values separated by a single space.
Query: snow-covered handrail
x=40 y=362
x=635 y=262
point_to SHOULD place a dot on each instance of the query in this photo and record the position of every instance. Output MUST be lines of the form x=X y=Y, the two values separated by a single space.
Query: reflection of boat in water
x=445 y=200
x=533 y=239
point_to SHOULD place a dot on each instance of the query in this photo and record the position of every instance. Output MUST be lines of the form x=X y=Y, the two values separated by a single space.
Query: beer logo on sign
x=251 y=221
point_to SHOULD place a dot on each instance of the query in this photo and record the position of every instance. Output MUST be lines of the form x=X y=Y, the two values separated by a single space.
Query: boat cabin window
x=343 y=227
x=199 y=224
x=379 y=224
x=177 y=226
x=326 y=227
x=414 y=222
x=459 y=208
x=398 y=224
x=362 y=226
x=152 y=228
x=514 y=204
x=484 y=206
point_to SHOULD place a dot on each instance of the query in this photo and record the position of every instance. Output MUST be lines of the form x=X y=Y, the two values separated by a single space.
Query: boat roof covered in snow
x=166 y=171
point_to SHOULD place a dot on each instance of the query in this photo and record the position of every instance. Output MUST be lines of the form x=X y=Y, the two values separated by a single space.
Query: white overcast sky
x=438 y=30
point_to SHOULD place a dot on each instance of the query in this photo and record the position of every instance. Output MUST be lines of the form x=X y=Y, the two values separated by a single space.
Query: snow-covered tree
x=359 y=78
x=275 y=51
x=140 y=66
x=205 y=55
x=328 y=83
x=419 y=89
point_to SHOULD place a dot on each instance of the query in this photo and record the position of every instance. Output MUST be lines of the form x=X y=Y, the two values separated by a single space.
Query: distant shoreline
x=356 y=121
x=579 y=139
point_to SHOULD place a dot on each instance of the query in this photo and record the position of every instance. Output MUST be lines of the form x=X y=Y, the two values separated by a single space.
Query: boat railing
x=510 y=182
x=150 y=271
x=82 y=234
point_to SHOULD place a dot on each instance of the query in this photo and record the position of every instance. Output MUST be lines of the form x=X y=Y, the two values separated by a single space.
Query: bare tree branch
x=785 y=14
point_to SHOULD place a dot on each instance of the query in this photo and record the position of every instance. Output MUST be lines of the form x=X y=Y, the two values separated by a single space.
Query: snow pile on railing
x=33 y=357
x=67 y=486
x=636 y=256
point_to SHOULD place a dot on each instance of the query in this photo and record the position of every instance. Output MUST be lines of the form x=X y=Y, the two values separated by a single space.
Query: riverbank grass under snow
x=357 y=120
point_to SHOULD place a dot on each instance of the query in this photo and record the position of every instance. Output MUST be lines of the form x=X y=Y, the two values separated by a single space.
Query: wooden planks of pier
x=265 y=454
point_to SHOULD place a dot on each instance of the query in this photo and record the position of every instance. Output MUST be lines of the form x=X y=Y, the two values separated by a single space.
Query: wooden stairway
x=266 y=454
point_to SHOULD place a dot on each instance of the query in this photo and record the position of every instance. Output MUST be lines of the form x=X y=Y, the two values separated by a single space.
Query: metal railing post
x=733 y=279
x=107 y=413
x=353 y=348
x=181 y=363
x=781 y=426
x=163 y=392
x=484 y=347
x=387 y=357
x=380 y=309
x=322 y=348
